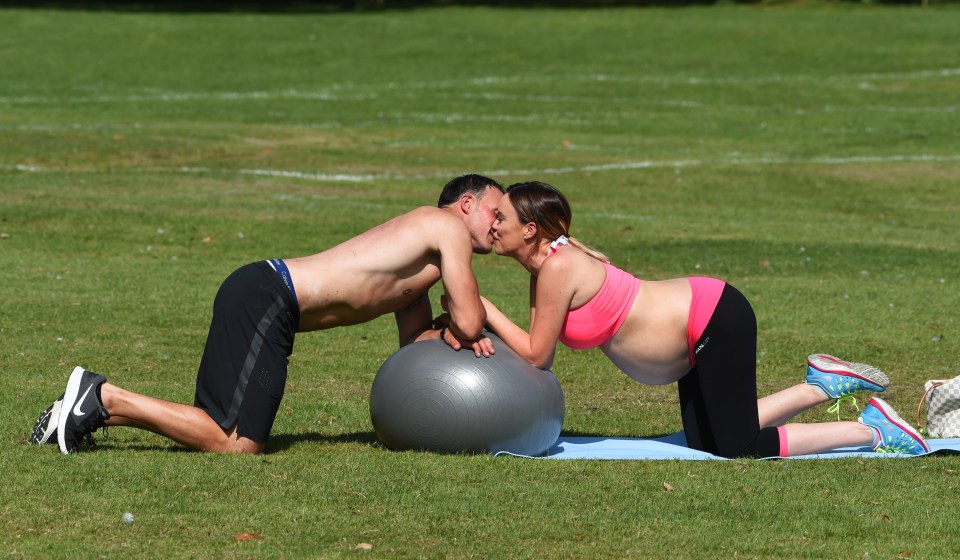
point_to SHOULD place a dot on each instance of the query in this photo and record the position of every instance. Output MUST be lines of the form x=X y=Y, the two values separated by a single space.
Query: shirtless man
x=261 y=306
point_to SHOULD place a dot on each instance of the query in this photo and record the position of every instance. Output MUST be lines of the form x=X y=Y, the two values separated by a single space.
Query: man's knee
x=248 y=446
x=235 y=443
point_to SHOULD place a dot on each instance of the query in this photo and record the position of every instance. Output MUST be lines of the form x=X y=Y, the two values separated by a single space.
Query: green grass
x=808 y=155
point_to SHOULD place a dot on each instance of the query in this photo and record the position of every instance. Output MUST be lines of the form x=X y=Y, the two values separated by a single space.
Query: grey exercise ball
x=429 y=397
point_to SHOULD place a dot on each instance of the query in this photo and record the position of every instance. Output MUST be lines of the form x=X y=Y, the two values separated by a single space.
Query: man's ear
x=466 y=202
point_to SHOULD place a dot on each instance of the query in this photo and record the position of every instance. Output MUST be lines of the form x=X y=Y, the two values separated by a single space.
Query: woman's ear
x=529 y=231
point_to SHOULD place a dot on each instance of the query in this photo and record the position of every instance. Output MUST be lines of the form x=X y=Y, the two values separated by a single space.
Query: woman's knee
x=764 y=443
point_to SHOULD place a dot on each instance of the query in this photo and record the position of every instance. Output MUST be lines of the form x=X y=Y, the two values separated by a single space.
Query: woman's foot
x=891 y=433
x=839 y=379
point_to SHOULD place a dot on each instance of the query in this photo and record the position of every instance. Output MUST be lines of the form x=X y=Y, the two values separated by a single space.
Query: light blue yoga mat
x=674 y=446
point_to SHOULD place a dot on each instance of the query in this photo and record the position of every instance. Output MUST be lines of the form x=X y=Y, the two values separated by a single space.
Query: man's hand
x=482 y=346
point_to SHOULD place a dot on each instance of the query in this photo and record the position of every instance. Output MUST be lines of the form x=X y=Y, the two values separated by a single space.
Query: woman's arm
x=550 y=296
x=512 y=335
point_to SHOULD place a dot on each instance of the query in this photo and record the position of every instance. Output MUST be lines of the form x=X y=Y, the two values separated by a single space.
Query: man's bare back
x=392 y=266
x=379 y=271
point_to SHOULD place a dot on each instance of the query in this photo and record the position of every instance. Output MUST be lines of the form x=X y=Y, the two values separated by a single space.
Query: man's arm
x=415 y=322
x=467 y=315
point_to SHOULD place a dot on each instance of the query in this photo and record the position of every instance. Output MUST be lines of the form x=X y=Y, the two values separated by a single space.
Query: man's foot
x=82 y=411
x=45 y=430
x=837 y=378
x=891 y=433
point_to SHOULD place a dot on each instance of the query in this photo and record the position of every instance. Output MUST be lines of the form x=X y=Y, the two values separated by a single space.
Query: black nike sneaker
x=82 y=411
x=45 y=430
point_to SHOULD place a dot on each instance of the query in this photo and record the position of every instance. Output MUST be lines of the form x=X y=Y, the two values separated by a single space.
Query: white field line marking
x=335 y=177
x=885 y=159
x=338 y=177
x=619 y=216
x=601 y=167
x=619 y=166
x=858 y=79
x=361 y=92
x=566 y=118
x=317 y=95
x=451 y=118
x=631 y=165
x=22 y=168
x=71 y=127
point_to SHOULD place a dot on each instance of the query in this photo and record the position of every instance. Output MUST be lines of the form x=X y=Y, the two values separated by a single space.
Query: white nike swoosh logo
x=76 y=409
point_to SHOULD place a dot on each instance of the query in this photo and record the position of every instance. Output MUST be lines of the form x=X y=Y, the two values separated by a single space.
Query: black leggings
x=718 y=398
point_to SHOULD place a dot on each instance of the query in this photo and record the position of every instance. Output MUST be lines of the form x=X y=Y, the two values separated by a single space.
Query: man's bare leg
x=182 y=423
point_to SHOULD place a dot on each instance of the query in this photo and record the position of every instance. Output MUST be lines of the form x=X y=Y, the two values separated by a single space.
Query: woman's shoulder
x=570 y=262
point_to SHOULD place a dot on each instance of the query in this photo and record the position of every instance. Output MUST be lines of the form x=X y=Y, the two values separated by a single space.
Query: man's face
x=483 y=212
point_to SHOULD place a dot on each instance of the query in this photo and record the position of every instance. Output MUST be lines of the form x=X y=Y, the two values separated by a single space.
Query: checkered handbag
x=943 y=408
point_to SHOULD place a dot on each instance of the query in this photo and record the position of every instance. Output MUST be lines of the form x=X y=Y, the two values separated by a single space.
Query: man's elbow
x=470 y=330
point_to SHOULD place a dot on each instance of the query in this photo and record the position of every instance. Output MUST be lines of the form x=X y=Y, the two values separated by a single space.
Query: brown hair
x=546 y=207
x=472 y=183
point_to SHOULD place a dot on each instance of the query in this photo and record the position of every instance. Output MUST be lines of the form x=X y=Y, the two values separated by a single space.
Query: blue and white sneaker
x=890 y=433
x=82 y=411
x=45 y=430
x=839 y=379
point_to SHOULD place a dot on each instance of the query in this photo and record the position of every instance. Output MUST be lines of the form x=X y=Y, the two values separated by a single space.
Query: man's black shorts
x=244 y=367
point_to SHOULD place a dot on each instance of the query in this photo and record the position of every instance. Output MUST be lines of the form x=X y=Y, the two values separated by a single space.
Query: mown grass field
x=808 y=155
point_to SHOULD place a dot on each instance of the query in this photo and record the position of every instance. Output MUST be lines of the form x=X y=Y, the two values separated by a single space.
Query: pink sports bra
x=597 y=321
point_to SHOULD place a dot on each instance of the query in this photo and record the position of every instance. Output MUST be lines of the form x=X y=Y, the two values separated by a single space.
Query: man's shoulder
x=433 y=218
x=427 y=212
x=436 y=230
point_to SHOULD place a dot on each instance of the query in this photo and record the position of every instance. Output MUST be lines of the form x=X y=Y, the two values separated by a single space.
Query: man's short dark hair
x=470 y=183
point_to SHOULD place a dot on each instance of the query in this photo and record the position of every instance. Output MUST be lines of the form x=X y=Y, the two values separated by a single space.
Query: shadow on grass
x=330 y=6
x=277 y=442
x=281 y=442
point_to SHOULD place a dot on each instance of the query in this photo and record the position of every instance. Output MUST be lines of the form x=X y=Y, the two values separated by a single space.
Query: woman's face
x=508 y=231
